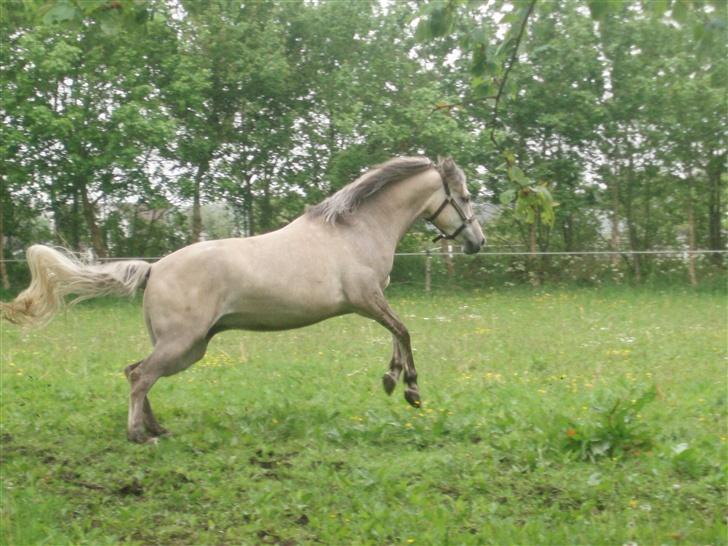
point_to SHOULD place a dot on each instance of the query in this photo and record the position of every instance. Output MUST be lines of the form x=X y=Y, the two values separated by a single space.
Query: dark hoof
x=160 y=432
x=137 y=437
x=141 y=438
x=388 y=382
x=413 y=398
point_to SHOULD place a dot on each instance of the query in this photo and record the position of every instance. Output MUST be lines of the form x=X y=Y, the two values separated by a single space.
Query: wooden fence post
x=428 y=271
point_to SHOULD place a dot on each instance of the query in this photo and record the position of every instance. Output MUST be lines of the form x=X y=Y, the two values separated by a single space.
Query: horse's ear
x=446 y=164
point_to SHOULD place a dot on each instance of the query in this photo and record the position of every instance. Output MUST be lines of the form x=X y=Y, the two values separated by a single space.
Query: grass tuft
x=614 y=429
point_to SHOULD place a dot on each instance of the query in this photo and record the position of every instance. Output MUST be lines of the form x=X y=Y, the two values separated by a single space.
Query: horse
x=332 y=260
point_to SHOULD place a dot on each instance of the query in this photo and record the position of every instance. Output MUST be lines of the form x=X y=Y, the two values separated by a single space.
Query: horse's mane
x=350 y=197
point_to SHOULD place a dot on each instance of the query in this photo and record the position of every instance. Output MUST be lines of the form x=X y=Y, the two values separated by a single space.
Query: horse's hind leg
x=166 y=359
x=390 y=378
x=150 y=422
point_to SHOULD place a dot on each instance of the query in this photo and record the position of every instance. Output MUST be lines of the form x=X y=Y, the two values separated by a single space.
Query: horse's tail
x=57 y=273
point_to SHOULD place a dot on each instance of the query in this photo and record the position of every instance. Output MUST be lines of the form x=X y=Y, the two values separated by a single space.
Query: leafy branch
x=508 y=67
x=533 y=201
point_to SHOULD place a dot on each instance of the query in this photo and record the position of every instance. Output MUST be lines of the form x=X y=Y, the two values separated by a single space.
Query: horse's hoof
x=160 y=432
x=388 y=382
x=413 y=398
x=138 y=437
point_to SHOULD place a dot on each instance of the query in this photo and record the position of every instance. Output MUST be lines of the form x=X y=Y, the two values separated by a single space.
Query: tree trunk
x=533 y=249
x=249 y=213
x=447 y=255
x=567 y=232
x=266 y=207
x=428 y=272
x=3 y=269
x=97 y=240
x=631 y=226
x=74 y=223
x=614 y=240
x=196 y=206
x=715 y=169
x=691 y=237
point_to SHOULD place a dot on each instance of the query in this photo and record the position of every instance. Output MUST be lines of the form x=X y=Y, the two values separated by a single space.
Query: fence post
x=428 y=270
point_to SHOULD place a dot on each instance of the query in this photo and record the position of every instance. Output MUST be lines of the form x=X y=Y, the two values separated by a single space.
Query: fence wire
x=439 y=252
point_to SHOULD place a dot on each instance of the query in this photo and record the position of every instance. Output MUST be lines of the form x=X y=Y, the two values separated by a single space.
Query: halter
x=449 y=200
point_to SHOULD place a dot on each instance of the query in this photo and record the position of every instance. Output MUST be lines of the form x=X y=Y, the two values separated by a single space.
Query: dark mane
x=350 y=197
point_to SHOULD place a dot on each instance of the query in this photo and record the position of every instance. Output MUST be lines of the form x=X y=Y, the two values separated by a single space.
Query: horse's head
x=451 y=211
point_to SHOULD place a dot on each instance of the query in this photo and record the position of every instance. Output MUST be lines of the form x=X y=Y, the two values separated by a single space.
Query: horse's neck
x=391 y=212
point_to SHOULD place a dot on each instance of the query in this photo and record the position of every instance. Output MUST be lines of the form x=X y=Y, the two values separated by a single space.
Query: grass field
x=565 y=417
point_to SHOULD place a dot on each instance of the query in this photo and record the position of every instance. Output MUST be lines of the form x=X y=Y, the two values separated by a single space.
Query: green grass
x=567 y=417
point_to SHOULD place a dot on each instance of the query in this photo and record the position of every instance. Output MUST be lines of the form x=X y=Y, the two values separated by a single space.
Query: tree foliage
x=590 y=123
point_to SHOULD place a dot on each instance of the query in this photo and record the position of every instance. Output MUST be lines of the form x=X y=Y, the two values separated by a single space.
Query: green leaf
x=110 y=23
x=507 y=196
x=648 y=396
x=482 y=89
x=478 y=36
x=480 y=58
x=594 y=479
x=423 y=32
x=658 y=7
x=599 y=8
x=517 y=176
x=91 y=6
x=679 y=11
x=61 y=11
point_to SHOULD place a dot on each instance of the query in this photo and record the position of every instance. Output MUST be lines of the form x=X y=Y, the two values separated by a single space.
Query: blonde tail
x=57 y=273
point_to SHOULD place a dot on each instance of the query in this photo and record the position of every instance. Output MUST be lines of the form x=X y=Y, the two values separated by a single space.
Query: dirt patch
x=301 y=520
x=133 y=488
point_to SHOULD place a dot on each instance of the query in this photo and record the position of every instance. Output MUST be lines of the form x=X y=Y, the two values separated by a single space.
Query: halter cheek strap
x=449 y=200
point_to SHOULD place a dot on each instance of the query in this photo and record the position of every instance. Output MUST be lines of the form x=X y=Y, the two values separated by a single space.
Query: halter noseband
x=449 y=200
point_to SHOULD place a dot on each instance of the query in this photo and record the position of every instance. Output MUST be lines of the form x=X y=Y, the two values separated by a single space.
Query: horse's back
x=275 y=281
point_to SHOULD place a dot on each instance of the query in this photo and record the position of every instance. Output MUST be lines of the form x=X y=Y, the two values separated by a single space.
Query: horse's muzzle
x=472 y=248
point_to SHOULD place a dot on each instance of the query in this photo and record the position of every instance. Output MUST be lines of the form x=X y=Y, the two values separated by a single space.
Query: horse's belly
x=268 y=322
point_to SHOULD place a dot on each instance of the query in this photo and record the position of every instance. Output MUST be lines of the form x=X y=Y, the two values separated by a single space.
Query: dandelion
x=633 y=503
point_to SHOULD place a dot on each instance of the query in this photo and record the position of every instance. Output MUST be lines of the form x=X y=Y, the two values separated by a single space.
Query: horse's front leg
x=390 y=378
x=377 y=308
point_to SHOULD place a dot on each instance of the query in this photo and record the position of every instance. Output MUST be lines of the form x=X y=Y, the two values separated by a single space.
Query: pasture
x=549 y=417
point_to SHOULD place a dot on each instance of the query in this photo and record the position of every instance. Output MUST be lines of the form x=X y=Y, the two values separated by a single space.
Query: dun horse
x=332 y=260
